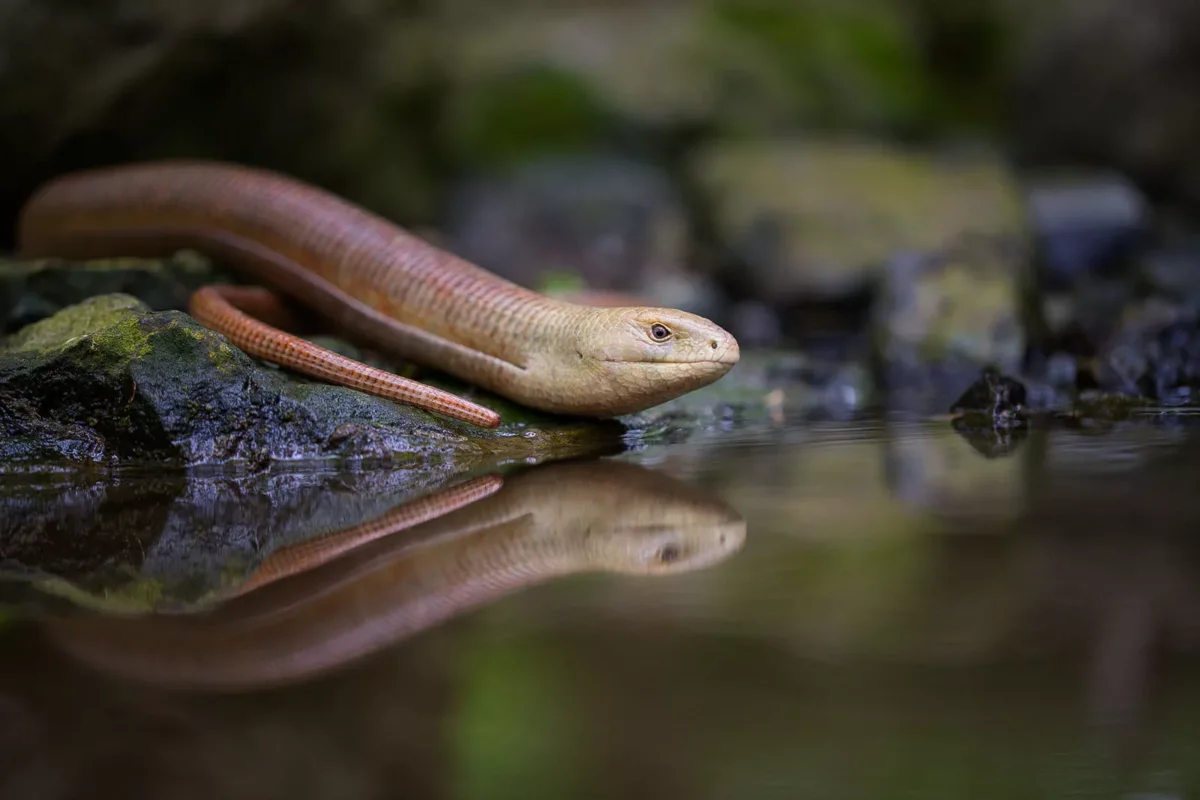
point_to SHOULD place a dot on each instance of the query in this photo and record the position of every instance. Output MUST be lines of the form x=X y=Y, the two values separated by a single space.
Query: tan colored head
x=622 y=517
x=669 y=547
x=615 y=361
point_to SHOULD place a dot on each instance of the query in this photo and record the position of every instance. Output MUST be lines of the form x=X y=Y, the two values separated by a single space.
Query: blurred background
x=747 y=159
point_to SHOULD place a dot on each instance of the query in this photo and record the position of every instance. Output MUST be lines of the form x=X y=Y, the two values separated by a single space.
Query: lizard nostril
x=713 y=344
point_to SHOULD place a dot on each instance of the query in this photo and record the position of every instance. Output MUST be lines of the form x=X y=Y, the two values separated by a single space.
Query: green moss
x=848 y=64
x=965 y=312
x=135 y=597
x=224 y=358
x=111 y=319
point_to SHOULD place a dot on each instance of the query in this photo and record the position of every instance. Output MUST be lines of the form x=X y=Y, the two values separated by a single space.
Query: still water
x=793 y=610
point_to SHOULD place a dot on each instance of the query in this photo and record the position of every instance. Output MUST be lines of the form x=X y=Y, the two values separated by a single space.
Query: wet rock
x=995 y=399
x=33 y=290
x=616 y=225
x=1111 y=82
x=941 y=319
x=819 y=219
x=1085 y=223
x=1095 y=409
x=1124 y=357
x=768 y=387
x=1156 y=356
x=110 y=381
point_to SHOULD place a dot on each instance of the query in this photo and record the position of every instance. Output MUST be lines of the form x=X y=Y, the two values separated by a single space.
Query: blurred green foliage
x=537 y=110
x=919 y=67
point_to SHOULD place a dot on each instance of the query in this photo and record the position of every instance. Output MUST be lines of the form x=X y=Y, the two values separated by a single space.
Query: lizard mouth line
x=670 y=363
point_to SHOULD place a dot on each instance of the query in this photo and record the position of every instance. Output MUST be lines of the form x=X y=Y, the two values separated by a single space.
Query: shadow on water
x=867 y=610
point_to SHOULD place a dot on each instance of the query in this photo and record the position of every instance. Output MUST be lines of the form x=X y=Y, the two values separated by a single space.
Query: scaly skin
x=380 y=284
x=555 y=520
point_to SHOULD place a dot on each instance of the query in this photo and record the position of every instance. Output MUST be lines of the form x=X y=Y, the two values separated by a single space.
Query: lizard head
x=624 y=360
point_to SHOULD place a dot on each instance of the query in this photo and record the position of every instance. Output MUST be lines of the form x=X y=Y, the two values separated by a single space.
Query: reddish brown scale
x=211 y=307
x=291 y=233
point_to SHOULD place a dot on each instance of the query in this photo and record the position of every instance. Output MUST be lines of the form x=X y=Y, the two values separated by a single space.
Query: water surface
x=800 y=610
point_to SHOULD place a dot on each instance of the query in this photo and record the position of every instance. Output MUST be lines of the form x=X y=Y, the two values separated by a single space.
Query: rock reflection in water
x=295 y=623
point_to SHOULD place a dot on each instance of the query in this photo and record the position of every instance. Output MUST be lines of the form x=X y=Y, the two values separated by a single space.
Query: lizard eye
x=659 y=332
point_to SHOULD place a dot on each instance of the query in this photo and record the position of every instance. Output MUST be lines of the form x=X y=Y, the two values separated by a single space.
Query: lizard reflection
x=297 y=622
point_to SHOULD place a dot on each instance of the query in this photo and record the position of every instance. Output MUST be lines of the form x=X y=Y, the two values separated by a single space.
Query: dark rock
x=996 y=394
x=110 y=381
x=994 y=398
x=1154 y=355
x=1174 y=373
x=1085 y=224
x=33 y=290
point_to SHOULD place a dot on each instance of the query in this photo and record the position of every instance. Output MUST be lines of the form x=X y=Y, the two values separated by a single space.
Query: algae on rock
x=813 y=219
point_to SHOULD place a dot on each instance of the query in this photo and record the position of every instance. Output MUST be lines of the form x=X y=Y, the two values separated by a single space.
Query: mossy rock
x=33 y=290
x=110 y=381
x=809 y=219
